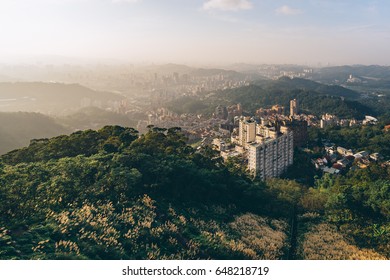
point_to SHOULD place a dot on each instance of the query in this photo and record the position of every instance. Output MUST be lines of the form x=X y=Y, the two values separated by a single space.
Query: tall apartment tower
x=294 y=107
x=272 y=155
x=246 y=131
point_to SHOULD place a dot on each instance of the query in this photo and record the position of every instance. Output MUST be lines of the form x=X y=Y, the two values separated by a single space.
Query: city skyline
x=197 y=32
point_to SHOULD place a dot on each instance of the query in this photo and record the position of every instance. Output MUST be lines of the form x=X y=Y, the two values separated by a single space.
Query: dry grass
x=324 y=242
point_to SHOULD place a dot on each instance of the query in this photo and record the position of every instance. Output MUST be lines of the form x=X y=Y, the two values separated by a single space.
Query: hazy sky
x=198 y=31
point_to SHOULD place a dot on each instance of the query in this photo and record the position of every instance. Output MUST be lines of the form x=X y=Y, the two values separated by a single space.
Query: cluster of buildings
x=277 y=71
x=340 y=159
x=228 y=113
x=328 y=120
x=165 y=88
x=195 y=127
x=266 y=141
x=195 y=83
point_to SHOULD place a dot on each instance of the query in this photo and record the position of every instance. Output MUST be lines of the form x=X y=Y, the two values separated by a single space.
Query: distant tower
x=294 y=107
x=239 y=108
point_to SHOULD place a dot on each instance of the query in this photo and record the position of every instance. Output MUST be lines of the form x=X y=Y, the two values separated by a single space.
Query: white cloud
x=228 y=5
x=288 y=11
x=126 y=1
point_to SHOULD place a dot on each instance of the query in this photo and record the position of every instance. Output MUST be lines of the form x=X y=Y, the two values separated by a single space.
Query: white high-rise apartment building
x=272 y=153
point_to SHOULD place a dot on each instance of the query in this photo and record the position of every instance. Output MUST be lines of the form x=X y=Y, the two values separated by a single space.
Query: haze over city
x=203 y=32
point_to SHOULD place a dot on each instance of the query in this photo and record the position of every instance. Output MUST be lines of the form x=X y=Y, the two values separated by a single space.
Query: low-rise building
x=344 y=152
x=376 y=156
x=331 y=170
x=219 y=144
x=361 y=154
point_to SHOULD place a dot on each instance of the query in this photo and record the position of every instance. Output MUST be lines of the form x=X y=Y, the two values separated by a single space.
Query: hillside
x=253 y=97
x=51 y=98
x=16 y=129
x=94 y=118
x=314 y=98
x=286 y=83
x=108 y=195
x=112 y=194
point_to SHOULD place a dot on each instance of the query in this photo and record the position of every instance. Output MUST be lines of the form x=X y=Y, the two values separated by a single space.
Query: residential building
x=344 y=152
x=299 y=129
x=246 y=131
x=272 y=153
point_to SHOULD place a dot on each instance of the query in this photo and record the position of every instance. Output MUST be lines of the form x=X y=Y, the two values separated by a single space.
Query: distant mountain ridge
x=53 y=98
x=370 y=75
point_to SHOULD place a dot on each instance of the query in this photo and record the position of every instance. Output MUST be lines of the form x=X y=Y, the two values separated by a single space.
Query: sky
x=202 y=32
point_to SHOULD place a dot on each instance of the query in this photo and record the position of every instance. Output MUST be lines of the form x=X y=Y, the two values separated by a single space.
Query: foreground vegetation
x=112 y=194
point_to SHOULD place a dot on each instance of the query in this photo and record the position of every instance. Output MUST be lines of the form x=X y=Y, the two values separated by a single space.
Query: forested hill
x=253 y=97
x=286 y=83
x=110 y=194
x=16 y=129
x=314 y=98
x=113 y=194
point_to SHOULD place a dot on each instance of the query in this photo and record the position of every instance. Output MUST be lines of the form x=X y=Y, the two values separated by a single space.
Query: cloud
x=287 y=11
x=126 y=1
x=227 y=5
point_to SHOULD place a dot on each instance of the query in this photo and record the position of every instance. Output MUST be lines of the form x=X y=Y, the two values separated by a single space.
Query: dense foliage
x=112 y=194
x=108 y=194
x=343 y=209
x=372 y=138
